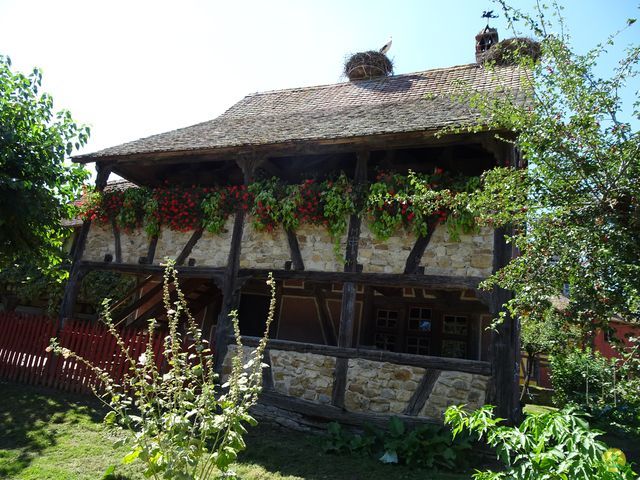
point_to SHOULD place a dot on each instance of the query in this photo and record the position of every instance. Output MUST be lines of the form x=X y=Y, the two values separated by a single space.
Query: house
x=386 y=327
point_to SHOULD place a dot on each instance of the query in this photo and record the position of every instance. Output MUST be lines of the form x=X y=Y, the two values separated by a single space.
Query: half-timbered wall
x=377 y=387
x=472 y=255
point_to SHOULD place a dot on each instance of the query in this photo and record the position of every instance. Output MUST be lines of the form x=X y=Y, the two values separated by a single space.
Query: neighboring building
x=400 y=328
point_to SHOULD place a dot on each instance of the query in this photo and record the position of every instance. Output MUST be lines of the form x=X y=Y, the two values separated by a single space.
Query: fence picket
x=24 y=338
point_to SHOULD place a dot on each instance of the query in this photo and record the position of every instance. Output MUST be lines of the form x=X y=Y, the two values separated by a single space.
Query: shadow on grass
x=29 y=420
x=301 y=455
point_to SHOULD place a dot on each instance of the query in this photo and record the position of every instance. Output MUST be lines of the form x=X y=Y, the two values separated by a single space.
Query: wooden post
x=348 y=307
x=230 y=284
x=294 y=248
x=505 y=343
x=76 y=274
x=116 y=239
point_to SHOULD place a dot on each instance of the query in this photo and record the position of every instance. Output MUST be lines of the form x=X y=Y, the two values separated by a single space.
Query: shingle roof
x=403 y=103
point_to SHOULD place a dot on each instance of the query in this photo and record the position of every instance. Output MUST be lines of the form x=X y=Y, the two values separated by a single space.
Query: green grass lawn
x=47 y=435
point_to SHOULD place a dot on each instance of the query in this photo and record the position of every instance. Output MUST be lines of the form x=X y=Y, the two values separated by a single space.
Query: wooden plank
x=29 y=350
x=424 y=361
x=294 y=248
x=116 y=239
x=186 y=251
x=415 y=256
x=423 y=392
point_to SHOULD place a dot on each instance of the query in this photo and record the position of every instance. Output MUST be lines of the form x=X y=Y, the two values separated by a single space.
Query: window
x=418 y=331
x=386 y=329
x=455 y=335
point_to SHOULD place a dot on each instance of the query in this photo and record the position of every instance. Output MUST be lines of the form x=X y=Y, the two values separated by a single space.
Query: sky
x=134 y=68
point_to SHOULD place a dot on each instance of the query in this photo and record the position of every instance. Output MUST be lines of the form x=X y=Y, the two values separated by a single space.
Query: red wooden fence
x=23 y=358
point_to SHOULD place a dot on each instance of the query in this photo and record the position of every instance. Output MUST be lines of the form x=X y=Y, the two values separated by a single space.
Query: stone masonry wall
x=455 y=388
x=317 y=249
x=262 y=249
x=471 y=256
x=100 y=241
x=303 y=375
x=380 y=387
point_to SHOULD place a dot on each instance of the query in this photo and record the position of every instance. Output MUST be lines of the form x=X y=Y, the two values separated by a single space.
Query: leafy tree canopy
x=575 y=209
x=37 y=184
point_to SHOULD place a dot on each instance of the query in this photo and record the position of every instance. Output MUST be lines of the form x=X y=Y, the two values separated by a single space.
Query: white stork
x=386 y=47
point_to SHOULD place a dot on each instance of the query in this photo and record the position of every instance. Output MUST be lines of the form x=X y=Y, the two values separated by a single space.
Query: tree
x=543 y=332
x=575 y=210
x=37 y=184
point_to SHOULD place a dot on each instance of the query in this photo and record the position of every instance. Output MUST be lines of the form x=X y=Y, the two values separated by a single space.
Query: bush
x=556 y=445
x=581 y=377
x=182 y=423
x=607 y=389
x=426 y=446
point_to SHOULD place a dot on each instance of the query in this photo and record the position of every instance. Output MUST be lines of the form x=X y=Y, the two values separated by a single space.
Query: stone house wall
x=372 y=387
x=472 y=255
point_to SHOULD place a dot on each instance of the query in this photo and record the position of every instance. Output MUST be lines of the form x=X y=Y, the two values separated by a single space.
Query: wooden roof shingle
x=413 y=102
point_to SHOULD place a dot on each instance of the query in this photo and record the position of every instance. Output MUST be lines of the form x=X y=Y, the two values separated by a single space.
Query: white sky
x=135 y=68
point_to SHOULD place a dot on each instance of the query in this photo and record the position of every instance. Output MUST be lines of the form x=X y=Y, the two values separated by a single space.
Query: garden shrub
x=553 y=446
x=181 y=423
x=607 y=389
x=427 y=446
x=580 y=377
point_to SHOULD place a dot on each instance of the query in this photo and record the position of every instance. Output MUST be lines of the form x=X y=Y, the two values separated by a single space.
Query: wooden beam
x=294 y=248
x=505 y=344
x=75 y=275
x=423 y=361
x=186 y=251
x=328 y=330
x=156 y=309
x=348 y=306
x=116 y=238
x=437 y=282
x=318 y=415
x=267 y=372
x=230 y=281
x=151 y=252
x=415 y=256
x=144 y=298
x=273 y=169
x=418 y=139
x=423 y=392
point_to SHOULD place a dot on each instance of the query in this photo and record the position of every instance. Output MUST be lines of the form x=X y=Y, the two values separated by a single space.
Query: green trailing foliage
x=414 y=202
x=181 y=422
x=552 y=446
x=426 y=446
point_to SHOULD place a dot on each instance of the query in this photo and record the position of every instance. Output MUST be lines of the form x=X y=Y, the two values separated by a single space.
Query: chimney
x=484 y=41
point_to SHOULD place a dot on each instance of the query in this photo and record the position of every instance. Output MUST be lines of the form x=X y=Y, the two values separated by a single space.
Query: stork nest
x=508 y=51
x=366 y=65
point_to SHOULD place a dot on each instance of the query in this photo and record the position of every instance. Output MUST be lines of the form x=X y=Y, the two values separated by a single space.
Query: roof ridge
x=351 y=82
